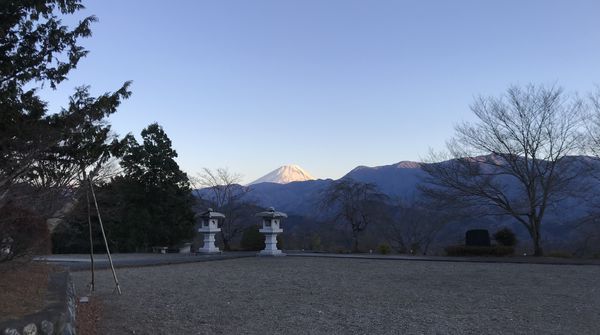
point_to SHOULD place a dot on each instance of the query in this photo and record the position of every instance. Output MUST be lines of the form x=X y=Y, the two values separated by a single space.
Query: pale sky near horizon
x=328 y=85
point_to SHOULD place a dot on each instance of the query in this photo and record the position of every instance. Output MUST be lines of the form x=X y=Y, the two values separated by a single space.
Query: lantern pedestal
x=210 y=226
x=209 y=246
x=271 y=243
x=271 y=221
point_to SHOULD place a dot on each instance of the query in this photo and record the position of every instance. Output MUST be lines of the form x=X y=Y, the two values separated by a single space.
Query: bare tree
x=357 y=204
x=225 y=196
x=593 y=126
x=589 y=227
x=415 y=223
x=527 y=135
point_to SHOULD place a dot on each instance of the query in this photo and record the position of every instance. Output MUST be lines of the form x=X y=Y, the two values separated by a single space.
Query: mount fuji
x=284 y=175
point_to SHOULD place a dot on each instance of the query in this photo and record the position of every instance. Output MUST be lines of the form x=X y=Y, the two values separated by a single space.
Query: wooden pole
x=104 y=236
x=87 y=198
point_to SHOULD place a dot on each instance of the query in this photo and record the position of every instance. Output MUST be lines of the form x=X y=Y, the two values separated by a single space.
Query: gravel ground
x=293 y=295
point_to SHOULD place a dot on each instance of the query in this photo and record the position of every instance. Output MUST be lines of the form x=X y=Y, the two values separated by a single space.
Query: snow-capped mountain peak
x=285 y=174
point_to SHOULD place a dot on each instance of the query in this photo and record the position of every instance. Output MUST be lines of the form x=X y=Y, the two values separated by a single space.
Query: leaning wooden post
x=104 y=236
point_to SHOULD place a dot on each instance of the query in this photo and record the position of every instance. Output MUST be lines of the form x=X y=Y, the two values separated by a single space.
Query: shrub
x=22 y=233
x=506 y=237
x=254 y=240
x=315 y=243
x=495 y=250
x=559 y=254
x=384 y=249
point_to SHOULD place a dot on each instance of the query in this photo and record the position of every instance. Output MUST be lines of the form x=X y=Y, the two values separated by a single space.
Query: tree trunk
x=354 y=242
x=426 y=248
x=226 y=246
x=536 y=237
x=537 y=248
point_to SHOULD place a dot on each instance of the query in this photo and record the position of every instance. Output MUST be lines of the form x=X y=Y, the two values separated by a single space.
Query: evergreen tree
x=35 y=49
x=153 y=197
x=42 y=154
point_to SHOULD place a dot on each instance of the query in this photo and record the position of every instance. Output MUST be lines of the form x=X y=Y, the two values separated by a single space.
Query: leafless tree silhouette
x=226 y=194
x=356 y=203
x=521 y=138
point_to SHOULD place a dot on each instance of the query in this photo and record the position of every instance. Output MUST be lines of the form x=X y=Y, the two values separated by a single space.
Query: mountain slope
x=285 y=174
x=398 y=179
x=300 y=198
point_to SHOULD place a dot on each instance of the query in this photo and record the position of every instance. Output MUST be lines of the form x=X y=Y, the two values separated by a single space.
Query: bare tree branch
x=522 y=138
x=226 y=197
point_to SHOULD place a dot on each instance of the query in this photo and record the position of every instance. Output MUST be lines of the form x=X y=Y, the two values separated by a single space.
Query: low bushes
x=559 y=254
x=254 y=240
x=506 y=237
x=494 y=250
x=22 y=233
x=384 y=249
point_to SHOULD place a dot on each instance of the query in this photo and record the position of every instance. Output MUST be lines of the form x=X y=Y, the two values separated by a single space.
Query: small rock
x=30 y=329
x=11 y=331
x=47 y=327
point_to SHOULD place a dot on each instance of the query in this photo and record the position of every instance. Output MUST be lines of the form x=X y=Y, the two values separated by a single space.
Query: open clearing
x=303 y=295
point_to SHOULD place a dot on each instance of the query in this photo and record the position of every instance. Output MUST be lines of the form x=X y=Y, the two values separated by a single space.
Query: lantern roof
x=210 y=214
x=271 y=213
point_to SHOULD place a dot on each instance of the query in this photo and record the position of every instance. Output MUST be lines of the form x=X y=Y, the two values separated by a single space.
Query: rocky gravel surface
x=292 y=295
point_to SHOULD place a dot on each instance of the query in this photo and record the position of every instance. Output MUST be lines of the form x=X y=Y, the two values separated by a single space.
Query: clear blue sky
x=327 y=85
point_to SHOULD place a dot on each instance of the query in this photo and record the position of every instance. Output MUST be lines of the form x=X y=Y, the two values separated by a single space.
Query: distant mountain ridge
x=285 y=174
x=401 y=181
x=304 y=197
x=291 y=189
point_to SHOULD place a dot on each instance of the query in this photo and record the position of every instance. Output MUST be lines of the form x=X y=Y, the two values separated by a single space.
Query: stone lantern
x=210 y=226
x=271 y=221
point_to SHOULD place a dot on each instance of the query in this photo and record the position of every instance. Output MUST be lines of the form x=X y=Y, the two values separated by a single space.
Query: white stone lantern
x=210 y=226
x=271 y=227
